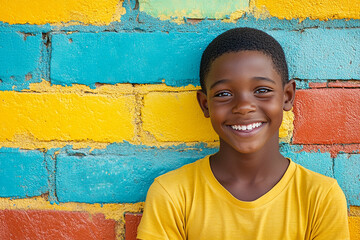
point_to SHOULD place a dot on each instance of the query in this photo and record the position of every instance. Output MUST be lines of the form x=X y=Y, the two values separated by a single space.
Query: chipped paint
x=110 y=210
x=175 y=9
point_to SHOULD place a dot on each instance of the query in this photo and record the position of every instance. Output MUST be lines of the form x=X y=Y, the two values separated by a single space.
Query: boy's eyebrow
x=264 y=78
x=219 y=82
x=227 y=80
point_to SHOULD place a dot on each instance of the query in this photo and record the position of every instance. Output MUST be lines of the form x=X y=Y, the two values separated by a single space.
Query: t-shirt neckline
x=264 y=199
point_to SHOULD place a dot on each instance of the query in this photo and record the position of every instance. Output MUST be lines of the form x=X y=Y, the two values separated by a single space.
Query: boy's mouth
x=246 y=127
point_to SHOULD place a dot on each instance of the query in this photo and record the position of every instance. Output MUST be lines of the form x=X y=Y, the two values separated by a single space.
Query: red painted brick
x=317 y=84
x=344 y=84
x=327 y=116
x=132 y=221
x=37 y=224
x=333 y=149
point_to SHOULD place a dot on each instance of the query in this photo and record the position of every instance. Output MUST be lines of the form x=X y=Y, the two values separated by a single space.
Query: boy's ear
x=289 y=95
x=202 y=100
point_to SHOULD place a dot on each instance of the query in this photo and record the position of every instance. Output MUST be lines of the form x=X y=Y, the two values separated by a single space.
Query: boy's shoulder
x=313 y=180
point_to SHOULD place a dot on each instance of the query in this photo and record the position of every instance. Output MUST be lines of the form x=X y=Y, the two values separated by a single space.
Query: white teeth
x=246 y=127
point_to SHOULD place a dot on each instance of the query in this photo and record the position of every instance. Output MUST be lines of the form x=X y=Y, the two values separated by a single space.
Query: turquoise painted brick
x=121 y=173
x=322 y=54
x=21 y=60
x=347 y=173
x=315 y=161
x=152 y=57
x=22 y=173
x=87 y=58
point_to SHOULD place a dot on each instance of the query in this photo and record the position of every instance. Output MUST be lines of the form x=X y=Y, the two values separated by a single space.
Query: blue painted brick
x=126 y=57
x=121 y=173
x=322 y=53
x=150 y=57
x=18 y=58
x=22 y=173
x=347 y=173
x=315 y=161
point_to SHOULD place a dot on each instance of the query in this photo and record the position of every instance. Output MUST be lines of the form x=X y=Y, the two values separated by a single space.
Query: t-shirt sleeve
x=162 y=217
x=331 y=221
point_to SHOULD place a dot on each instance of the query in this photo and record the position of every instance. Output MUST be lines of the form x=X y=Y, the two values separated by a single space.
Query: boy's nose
x=243 y=106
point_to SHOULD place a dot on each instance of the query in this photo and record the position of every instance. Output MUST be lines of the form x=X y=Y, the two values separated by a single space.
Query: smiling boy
x=247 y=190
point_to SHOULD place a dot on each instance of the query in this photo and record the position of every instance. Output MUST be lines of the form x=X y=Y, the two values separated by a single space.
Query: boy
x=247 y=190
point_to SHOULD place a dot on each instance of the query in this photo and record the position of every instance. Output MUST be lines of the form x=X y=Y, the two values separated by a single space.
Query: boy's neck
x=267 y=161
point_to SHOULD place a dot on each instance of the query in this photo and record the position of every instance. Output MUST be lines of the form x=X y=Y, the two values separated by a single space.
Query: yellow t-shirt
x=189 y=203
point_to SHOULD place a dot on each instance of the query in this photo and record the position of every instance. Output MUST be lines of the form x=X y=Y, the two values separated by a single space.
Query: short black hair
x=242 y=39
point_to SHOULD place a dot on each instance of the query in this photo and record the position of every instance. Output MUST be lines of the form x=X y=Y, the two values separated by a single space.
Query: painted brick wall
x=97 y=98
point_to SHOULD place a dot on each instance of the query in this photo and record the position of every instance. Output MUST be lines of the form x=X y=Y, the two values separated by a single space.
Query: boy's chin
x=244 y=148
x=249 y=147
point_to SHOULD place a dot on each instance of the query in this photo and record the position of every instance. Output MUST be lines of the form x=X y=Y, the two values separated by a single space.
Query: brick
x=347 y=173
x=22 y=173
x=52 y=11
x=121 y=173
x=66 y=117
x=19 y=59
x=335 y=84
x=327 y=116
x=89 y=58
x=176 y=117
x=344 y=84
x=132 y=221
x=152 y=57
x=191 y=9
x=316 y=9
x=318 y=84
x=37 y=224
x=307 y=59
x=315 y=161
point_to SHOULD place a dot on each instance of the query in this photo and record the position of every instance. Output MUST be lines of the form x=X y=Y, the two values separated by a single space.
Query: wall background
x=97 y=98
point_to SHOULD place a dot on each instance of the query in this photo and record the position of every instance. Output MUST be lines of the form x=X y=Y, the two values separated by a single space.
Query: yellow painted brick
x=287 y=126
x=80 y=89
x=177 y=117
x=354 y=226
x=313 y=9
x=110 y=210
x=66 y=117
x=96 y=12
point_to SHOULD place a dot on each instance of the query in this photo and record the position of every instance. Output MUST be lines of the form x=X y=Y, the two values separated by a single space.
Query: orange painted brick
x=36 y=224
x=327 y=116
x=132 y=221
x=317 y=84
x=333 y=149
x=344 y=84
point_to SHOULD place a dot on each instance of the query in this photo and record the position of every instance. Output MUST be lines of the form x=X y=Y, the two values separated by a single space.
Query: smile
x=246 y=127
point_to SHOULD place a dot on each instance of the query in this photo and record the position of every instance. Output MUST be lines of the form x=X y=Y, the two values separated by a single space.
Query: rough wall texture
x=97 y=98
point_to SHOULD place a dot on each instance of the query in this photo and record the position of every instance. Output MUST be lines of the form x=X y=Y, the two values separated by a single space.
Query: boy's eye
x=223 y=94
x=262 y=90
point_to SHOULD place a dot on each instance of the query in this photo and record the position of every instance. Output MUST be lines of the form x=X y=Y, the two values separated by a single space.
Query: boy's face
x=245 y=100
